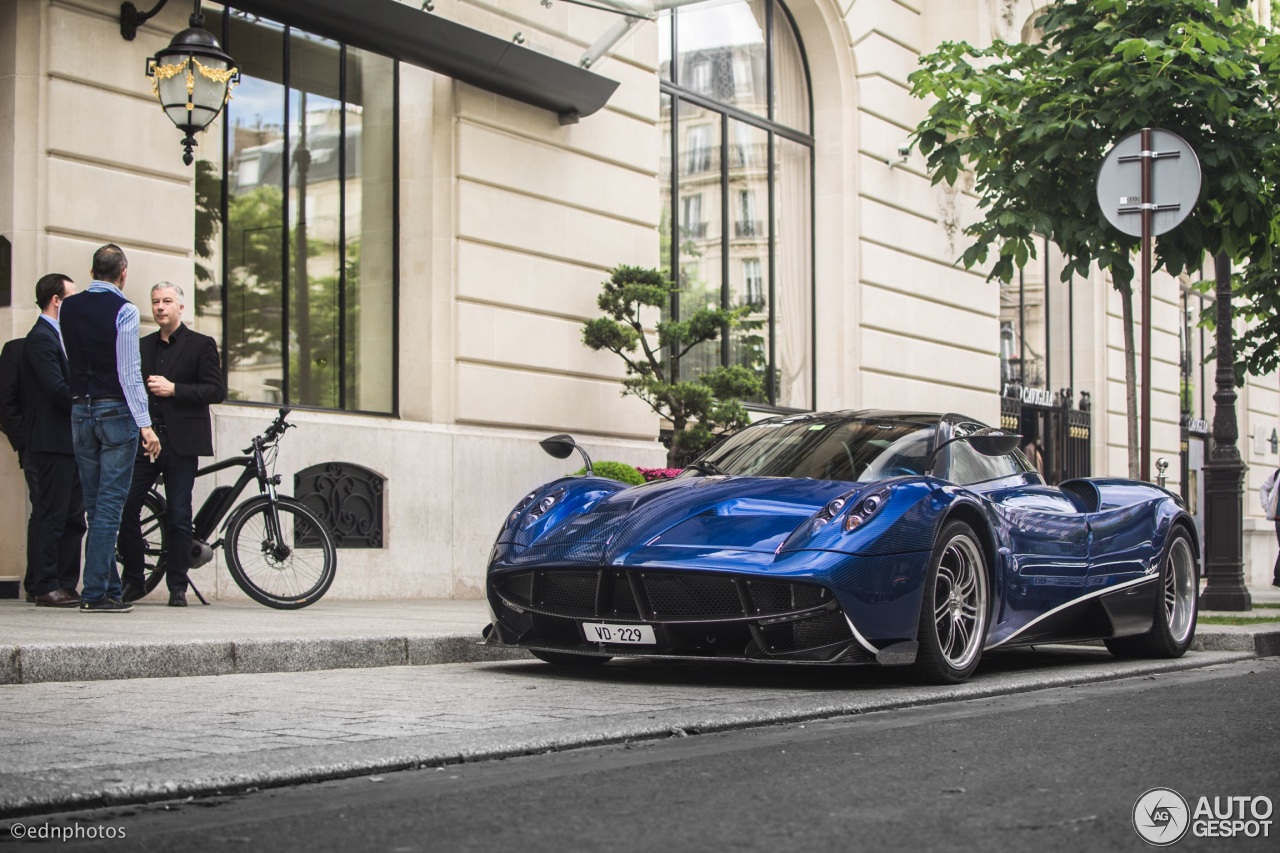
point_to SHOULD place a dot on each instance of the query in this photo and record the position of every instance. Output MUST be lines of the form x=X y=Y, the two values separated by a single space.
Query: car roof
x=904 y=416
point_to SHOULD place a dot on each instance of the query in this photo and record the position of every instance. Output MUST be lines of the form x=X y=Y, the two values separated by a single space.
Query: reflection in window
x=306 y=262
x=753 y=282
x=750 y=166
x=698 y=149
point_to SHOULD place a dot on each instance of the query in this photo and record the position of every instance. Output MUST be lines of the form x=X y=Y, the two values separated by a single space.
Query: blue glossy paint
x=1062 y=562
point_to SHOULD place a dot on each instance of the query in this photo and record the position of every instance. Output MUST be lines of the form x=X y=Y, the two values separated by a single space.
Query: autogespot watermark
x=1162 y=816
x=67 y=832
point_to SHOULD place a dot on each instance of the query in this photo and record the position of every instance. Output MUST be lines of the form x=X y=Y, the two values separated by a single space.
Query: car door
x=1047 y=564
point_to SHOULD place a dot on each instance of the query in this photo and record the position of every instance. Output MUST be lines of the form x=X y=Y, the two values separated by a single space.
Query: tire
x=154 y=539
x=569 y=658
x=1174 y=624
x=278 y=571
x=955 y=608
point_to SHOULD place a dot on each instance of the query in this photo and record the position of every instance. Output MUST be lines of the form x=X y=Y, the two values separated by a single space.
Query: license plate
x=634 y=635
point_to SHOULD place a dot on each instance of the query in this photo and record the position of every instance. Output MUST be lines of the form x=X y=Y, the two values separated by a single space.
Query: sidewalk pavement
x=42 y=644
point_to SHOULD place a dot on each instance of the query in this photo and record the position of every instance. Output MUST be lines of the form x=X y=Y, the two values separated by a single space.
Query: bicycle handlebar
x=274 y=431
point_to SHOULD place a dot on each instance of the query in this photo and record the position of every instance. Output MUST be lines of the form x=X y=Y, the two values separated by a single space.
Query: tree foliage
x=1032 y=123
x=697 y=408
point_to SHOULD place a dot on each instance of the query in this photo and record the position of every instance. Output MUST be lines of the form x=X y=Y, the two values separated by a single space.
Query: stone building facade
x=405 y=251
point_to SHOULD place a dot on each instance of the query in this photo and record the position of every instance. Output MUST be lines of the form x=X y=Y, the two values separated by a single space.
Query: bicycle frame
x=278 y=551
x=224 y=498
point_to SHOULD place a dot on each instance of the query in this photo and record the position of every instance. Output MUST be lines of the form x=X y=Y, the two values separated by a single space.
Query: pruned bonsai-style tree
x=1032 y=122
x=697 y=408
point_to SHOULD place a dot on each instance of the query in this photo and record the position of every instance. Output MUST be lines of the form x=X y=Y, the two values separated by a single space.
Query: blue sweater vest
x=88 y=323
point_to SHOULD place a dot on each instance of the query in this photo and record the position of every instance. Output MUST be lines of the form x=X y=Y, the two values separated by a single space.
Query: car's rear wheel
x=569 y=658
x=954 y=612
x=1174 y=626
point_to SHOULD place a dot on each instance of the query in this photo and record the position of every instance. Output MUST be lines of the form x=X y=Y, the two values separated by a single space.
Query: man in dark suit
x=57 y=526
x=11 y=411
x=11 y=394
x=183 y=378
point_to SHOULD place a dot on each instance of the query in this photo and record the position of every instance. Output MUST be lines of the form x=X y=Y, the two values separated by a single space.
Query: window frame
x=677 y=94
x=228 y=9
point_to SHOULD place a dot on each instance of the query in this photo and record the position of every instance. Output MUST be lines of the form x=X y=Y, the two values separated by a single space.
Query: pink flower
x=658 y=473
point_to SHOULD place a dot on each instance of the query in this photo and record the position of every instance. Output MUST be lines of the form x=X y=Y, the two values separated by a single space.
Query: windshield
x=826 y=449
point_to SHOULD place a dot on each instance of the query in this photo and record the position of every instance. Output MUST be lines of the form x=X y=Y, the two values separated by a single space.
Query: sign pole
x=1144 y=442
x=1146 y=202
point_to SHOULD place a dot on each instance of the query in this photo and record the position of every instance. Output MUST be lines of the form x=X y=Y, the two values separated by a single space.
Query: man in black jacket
x=11 y=394
x=57 y=525
x=11 y=410
x=183 y=378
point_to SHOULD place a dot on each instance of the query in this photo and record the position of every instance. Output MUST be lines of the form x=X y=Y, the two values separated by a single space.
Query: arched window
x=737 y=178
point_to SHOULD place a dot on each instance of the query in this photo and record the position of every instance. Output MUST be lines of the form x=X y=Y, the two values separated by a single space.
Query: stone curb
x=1263 y=640
x=42 y=662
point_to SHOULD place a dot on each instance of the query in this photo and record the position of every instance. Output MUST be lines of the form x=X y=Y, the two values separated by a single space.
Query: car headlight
x=830 y=511
x=520 y=507
x=864 y=509
x=540 y=508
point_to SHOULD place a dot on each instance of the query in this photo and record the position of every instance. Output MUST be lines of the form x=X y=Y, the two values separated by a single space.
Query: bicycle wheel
x=286 y=568
x=152 y=521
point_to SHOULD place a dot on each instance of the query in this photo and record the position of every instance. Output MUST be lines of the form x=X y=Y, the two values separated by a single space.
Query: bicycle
x=278 y=551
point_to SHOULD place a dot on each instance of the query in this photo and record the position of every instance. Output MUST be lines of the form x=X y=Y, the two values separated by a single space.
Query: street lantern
x=192 y=77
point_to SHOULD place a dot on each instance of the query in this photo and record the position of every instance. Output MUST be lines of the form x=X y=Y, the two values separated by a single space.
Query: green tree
x=254 y=277
x=1032 y=123
x=697 y=408
x=208 y=194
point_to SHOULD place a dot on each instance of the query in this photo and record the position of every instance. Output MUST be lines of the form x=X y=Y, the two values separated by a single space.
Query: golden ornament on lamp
x=192 y=77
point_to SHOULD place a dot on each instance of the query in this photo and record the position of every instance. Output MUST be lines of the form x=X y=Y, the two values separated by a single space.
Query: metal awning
x=410 y=35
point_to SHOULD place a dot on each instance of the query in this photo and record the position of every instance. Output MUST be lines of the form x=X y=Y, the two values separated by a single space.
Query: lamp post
x=1224 y=472
x=192 y=77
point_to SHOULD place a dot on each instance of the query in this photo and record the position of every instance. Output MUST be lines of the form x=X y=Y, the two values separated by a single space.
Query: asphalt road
x=1055 y=769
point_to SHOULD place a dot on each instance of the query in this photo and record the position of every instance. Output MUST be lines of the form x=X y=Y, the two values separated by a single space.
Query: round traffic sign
x=1175 y=182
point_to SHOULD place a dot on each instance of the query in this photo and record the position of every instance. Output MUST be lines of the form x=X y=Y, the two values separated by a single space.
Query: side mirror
x=988 y=442
x=994 y=444
x=561 y=446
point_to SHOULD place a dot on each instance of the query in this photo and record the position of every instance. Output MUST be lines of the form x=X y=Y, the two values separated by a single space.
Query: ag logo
x=1161 y=816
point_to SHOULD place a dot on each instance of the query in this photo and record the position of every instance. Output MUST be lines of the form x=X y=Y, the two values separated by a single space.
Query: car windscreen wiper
x=708 y=467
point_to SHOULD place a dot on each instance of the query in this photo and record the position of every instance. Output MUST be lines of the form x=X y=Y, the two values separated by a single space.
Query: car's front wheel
x=1174 y=626
x=569 y=658
x=954 y=612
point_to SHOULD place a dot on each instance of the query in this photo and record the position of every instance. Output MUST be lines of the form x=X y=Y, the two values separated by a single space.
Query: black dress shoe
x=177 y=599
x=57 y=598
x=132 y=592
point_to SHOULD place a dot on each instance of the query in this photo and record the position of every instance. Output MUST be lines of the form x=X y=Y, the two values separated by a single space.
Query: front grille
x=570 y=593
x=691 y=595
x=695 y=614
x=624 y=600
x=808 y=633
x=667 y=596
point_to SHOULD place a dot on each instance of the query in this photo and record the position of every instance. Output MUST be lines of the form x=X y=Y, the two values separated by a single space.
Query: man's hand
x=159 y=386
x=150 y=442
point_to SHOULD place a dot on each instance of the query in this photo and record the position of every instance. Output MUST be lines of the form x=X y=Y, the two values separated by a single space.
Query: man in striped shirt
x=109 y=415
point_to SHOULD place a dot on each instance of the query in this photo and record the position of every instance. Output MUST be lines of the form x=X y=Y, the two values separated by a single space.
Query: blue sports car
x=859 y=537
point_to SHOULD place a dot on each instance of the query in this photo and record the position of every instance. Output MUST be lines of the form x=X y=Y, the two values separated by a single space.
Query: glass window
x=744 y=189
x=830 y=448
x=753 y=282
x=793 y=292
x=722 y=51
x=301 y=279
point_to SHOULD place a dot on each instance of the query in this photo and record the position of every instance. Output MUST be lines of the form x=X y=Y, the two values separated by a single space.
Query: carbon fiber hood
x=703 y=513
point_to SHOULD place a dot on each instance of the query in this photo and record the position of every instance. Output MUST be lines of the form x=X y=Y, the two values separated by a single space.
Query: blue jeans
x=105 y=439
